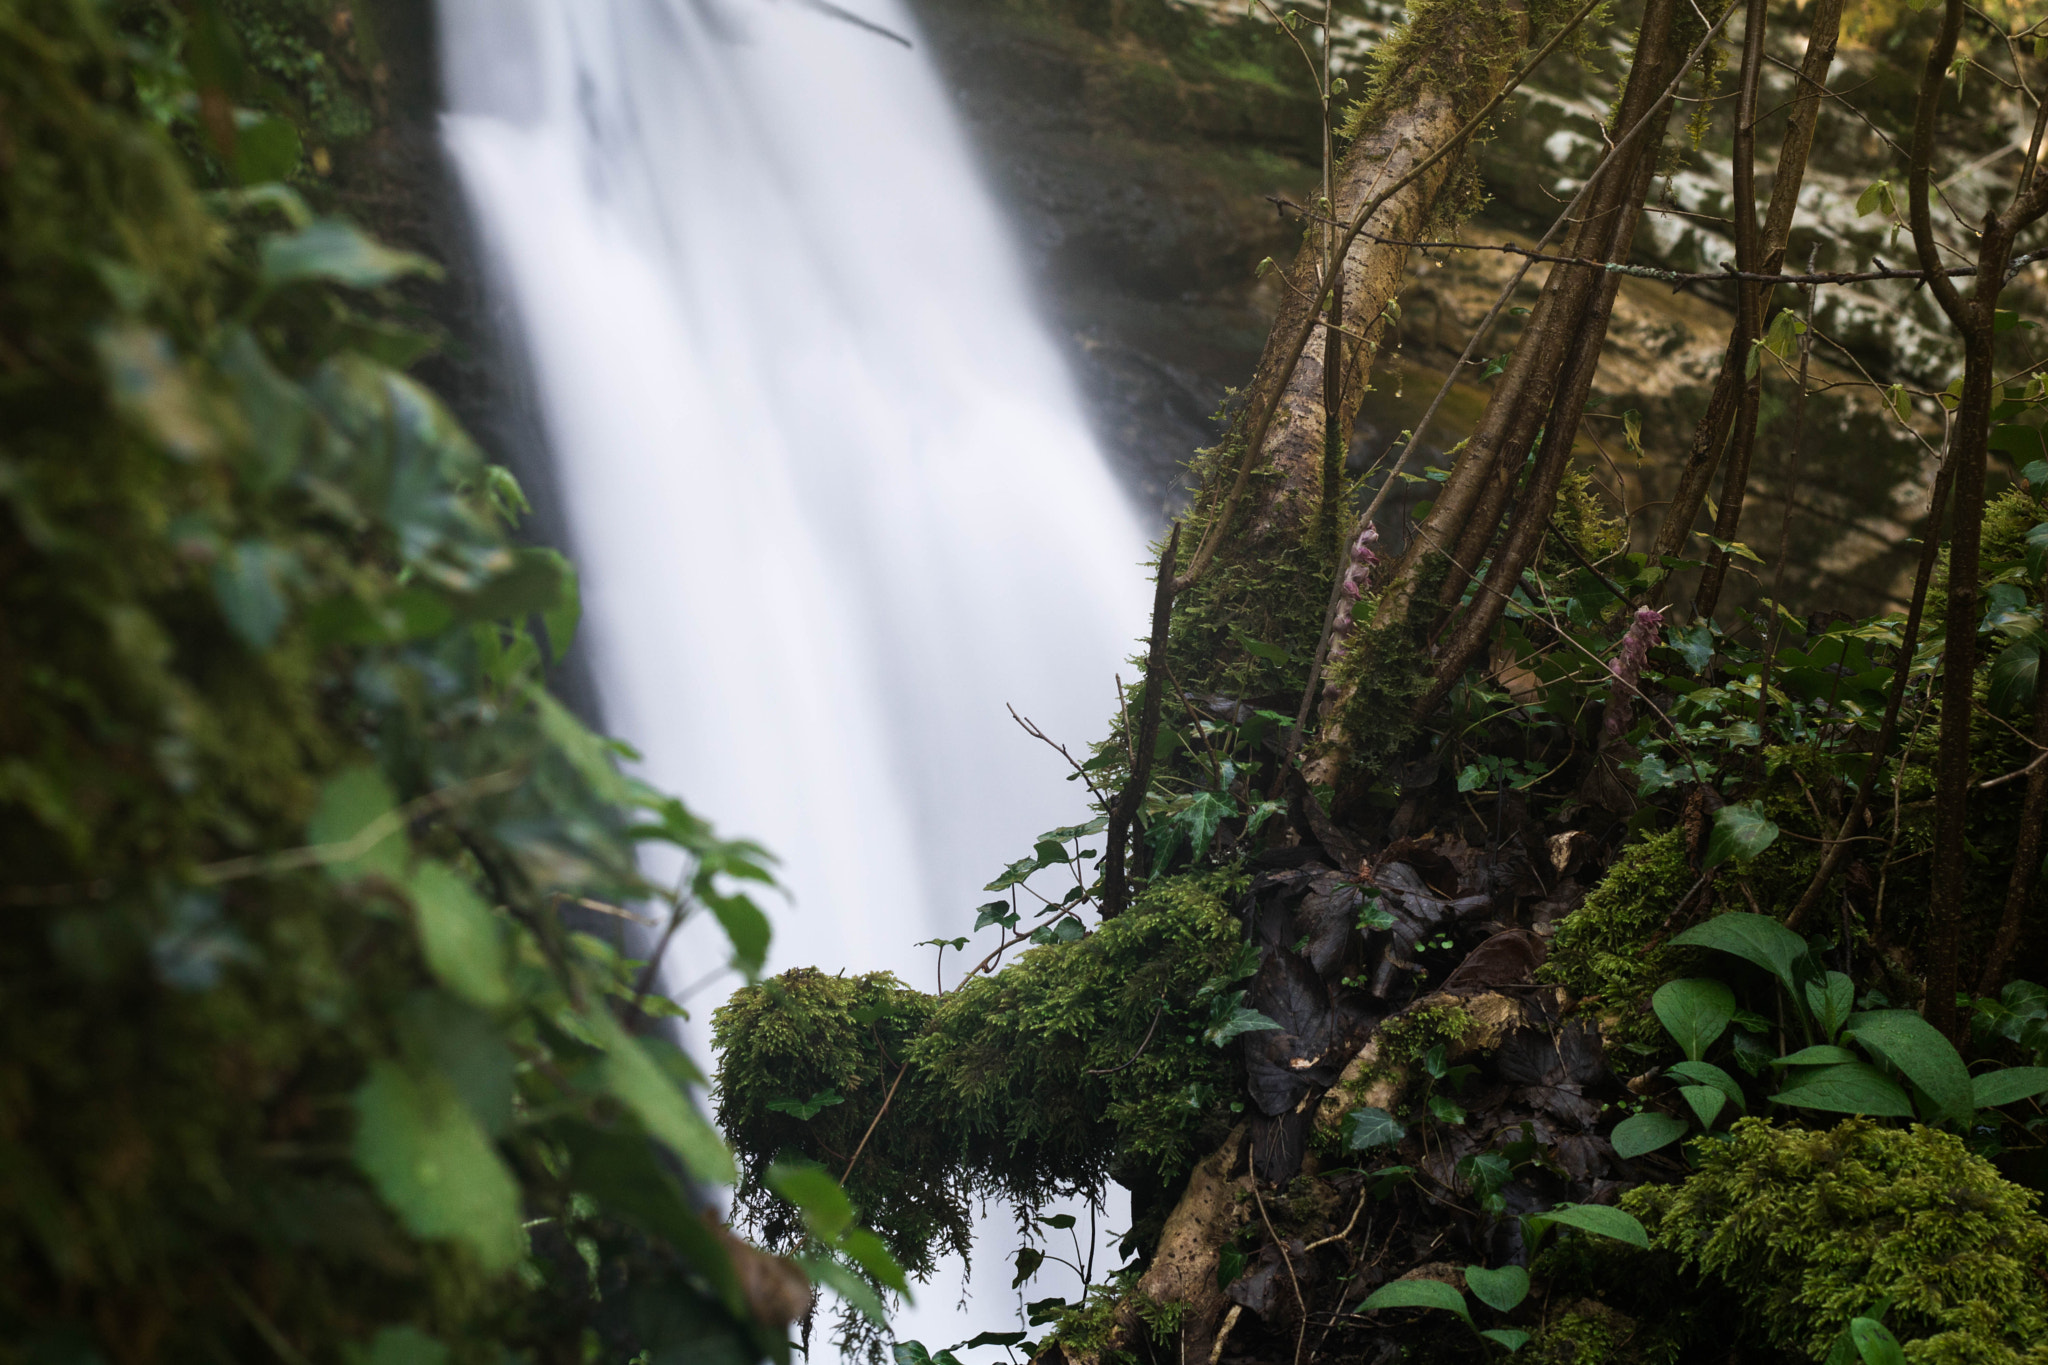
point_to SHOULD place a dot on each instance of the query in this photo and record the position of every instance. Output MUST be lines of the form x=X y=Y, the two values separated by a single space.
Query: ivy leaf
x=806 y=1109
x=1230 y=1263
x=1367 y=1127
x=638 y=1082
x=995 y=912
x=461 y=939
x=1028 y=1261
x=248 y=588
x=1238 y=1019
x=338 y=252
x=425 y=1153
x=1741 y=831
x=350 y=804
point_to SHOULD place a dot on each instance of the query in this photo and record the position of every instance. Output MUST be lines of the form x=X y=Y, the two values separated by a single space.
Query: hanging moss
x=1812 y=1228
x=1076 y=1062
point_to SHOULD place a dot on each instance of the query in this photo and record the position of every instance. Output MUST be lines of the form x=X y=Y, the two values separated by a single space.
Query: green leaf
x=1502 y=1289
x=871 y=1254
x=1900 y=402
x=425 y=1153
x=1741 y=831
x=1028 y=1261
x=248 y=588
x=2008 y=1085
x=1644 y=1133
x=1694 y=1012
x=461 y=939
x=1512 y=1338
x=858 y=1293
x=826 y=1210
x=1707 y=1102
x=1444 y=1109
x=400 y=1345
x=1822 y=1055
x=1706 y=1073
x=267 y=150
x=339 y=252
x=1753 y=938
x=1239 y=1020
x=1632 y=430
x=806 y=1109
x=1603 y=1220
x=2014 y=676
x=350 y=805
x=640 y=1083
x=1878 y=198
x=1851 y=1088
x=746 y=928
x=995 y=912
x=1875 y=1342
x=1918 y=1050
x=1830 y=1000
x=2037 y=536
x=1272 y=654
x=1417 y=1294
x=1367 y=1127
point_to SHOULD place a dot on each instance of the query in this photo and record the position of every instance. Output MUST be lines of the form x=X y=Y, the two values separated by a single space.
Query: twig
x=1338 y=1237
x=855 y=1159
x=1145 y=1043
x=1038 y=734
x=1301 y=1334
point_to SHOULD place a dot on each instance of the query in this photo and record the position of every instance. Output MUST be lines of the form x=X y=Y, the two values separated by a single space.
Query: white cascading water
x=831 y=495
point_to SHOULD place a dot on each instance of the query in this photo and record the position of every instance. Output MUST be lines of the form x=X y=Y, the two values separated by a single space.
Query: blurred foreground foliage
x=303 y=1059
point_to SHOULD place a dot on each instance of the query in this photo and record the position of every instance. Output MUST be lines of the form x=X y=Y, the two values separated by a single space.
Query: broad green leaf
x=1417 y=1294
x=871 y=1254
x=1695 y=644
x=352 y=828
x=461 y=939
x=340 y=253
x=858 y=1293
x=1851 y=1088
x=1707 y=1102
x=1753 y=938
x=2014 y=676
x=628 y=1176
x=1272 y=654
x=2008 y=1085
x=1875 y=1342
x=1029 y=1259
x=1695 y=1012
x=1877 y=199
x=1603 y=1220
x=1230 y=1263
x=1644 y=1133
x=1366 y=1127
x=2037 y=537
x=1830 y=1001
x=1925 y=1058
x=1706 y=1073
x=826 y=1210
x=1512 y=1338
x=1502 y=1289
x=1741 y=831
x=426 y=1155
x=1822 y=1055
x=746 y=928
x=640 y=1083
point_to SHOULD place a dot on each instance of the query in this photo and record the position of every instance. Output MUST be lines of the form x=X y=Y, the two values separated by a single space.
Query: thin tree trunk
x=1710 y=436
x=2026 y=854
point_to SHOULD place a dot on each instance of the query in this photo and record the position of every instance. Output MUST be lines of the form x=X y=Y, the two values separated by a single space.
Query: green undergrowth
x=1074 y=1062
x=1811 y=1228
x=303 y=1061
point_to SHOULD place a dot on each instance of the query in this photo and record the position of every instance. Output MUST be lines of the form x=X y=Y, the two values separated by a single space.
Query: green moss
x=1811 y=1228
x=1075 y=1062
x=1603 y=952
x=1588 y=1334
x=1584 y=519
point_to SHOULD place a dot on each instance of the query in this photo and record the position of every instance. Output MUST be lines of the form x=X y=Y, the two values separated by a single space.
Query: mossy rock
x=1812 y=1228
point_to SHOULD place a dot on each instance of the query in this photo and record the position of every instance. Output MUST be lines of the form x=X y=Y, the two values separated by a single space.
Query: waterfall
x=829 y=489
